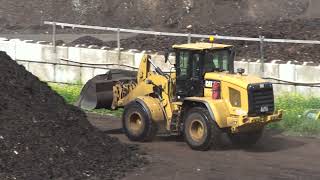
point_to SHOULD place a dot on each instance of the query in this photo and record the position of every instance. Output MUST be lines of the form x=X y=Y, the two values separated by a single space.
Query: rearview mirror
x=240 y=71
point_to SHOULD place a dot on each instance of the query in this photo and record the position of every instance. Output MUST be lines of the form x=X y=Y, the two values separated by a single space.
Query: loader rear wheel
x=245 y=139
x=201 y=131
x=137 y=124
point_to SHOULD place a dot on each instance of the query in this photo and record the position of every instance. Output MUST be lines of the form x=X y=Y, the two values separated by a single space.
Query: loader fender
x=153 y=107
x=217 y=109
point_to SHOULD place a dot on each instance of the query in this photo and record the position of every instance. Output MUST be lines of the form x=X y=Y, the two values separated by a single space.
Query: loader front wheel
x=201 y=131
x=137 y=124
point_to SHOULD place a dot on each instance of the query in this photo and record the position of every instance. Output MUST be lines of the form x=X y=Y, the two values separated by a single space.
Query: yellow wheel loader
x=201 y=98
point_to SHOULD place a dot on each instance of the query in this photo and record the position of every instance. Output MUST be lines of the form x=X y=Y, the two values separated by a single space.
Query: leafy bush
x=294 y=121
x=71 y=93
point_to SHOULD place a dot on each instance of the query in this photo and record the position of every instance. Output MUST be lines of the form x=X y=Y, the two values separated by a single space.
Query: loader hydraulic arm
x=157 y=69
x=145 y=69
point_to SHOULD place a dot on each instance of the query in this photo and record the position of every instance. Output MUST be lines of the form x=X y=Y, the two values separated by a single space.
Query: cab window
x=196 y=65
x=182 y=71
x=217 y=60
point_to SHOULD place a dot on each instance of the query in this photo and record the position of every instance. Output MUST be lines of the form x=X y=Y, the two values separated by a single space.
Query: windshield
x=217 y=60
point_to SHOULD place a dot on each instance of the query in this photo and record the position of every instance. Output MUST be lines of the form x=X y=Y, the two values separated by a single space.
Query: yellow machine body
x=230 y=111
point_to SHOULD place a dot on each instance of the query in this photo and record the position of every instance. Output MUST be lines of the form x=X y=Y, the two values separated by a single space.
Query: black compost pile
x=285 y=29
x=42 y=137
x=87 y=40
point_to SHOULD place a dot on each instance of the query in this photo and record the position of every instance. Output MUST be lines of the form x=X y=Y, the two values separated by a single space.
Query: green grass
x=71 y=92
x=293 y=105
x=294 y=121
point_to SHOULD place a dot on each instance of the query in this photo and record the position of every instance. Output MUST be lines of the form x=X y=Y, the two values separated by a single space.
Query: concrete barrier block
x=172 y=58
x=93 y=56
x=74 y=54
x=48 y=54
x=308 y=74
x=127 y=58
x=315 y=91
x=255 y=68
x=271 y=70
x=63 y=52
x=159 y=61
x=28 y=51
x=9 y=47
x=112 y=57
x=98 y=71
x=137 y=58
x=277 y=89
x=67 y=74
x=287 y=72
x=86 y=74
x=44 y=72
x=303 y=90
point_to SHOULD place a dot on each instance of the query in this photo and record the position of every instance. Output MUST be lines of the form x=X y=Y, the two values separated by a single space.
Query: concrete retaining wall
x=44 y=52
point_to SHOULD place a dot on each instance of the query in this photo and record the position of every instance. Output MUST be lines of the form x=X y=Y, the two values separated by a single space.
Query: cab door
x=189 y=73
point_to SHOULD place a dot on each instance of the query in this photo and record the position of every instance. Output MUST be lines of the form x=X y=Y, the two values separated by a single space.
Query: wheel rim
x=135 y=123
x=196 y=130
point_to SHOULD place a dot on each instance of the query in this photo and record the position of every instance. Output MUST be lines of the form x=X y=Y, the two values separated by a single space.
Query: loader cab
x=194 y=60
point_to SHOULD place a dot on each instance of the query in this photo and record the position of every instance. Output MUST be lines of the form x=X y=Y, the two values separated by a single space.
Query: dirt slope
x=16 y=14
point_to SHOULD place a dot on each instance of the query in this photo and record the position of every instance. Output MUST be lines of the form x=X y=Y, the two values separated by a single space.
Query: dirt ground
x=276 y=156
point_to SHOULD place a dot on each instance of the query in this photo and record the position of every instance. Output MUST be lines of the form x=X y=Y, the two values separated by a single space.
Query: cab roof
x=201 y=46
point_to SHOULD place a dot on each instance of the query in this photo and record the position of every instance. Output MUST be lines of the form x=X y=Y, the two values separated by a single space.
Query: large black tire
x=245 y=139
x=202 y=140
x=137 y=124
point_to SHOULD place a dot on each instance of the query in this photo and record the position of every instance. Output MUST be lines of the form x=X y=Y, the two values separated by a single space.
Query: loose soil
x=42 y=137
x=87 y=40
x=275 y=157
x=284 y=29
x=23 y=15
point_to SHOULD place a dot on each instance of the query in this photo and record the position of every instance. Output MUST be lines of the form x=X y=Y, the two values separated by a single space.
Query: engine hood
x=237 y=79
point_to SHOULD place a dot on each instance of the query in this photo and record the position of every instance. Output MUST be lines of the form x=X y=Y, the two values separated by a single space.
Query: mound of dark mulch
x=285 y=29
x=42 y=137
x=87 y=40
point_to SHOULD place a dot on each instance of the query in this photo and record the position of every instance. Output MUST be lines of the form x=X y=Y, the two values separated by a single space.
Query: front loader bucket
x=97 y=93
